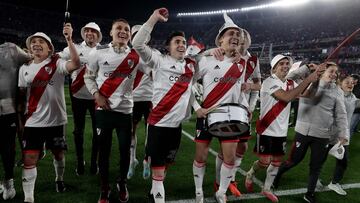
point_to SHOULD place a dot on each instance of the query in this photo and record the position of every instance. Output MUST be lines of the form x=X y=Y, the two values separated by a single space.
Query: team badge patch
x=191 y=66
x=48 y=70
x=130 y=63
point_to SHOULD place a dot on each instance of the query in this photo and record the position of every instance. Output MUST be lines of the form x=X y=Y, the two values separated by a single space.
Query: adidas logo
x=106 y=63
x=216 y=67
x=172 y=67
x=24 y=180
x=196 y=175
x=229 y=177
x=158 y=196
x=26 y=73
x=81 y=54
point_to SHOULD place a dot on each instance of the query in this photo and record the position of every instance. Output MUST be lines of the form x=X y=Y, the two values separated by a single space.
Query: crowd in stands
x=302 y=37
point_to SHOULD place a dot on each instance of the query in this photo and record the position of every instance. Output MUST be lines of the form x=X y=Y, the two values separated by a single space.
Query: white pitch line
x=278 y=193
x=241 y=171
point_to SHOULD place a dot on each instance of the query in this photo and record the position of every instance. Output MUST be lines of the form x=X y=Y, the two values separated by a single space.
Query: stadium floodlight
x=279 y=3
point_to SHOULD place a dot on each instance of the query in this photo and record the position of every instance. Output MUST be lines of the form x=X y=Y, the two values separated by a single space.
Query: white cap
x=42 y=35
x=94 y=26
x=337 y=151
x=295 y=66
x=135 y=29
x=247 y=38
x=278 y=58
x=228 y=24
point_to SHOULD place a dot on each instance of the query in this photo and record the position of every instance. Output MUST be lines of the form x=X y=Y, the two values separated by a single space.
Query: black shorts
x=202 y=135
x=140 y=109
x=270 y=146
x=163 y=144
x=35 y=137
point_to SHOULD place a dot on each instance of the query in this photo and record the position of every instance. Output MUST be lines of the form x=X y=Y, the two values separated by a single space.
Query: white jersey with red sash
x=143 y=87
x=252 y=71
x=78 y=88
x=172 y=90
x=45 y=97
x=115 y=75
x=221 y=81
x=274 y=114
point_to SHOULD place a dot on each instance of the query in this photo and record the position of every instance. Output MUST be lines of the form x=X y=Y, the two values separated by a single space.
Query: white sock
x=59 y=167
x=218 y=163
x=158 y=190
x=270 y=176
x=133 y=149
x=28 y=183
x=199 y=172
x=226 y=174
x=236 y=166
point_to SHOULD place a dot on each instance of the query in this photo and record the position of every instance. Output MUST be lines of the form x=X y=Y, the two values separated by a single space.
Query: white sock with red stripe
x=226 y=174
x=237 y=164
x=199 y=172
x=218 y=163
x=157 y=189
x=28 y=182
x=270 y=175
x=59 y=167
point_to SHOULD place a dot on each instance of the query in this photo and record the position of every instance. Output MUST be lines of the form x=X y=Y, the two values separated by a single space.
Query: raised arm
x=74 y=62
x=139 y=42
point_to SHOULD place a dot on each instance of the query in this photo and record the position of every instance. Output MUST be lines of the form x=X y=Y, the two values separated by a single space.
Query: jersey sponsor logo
x=117 y=74
x=41 y=83
x=227 y=79
x=183 y=79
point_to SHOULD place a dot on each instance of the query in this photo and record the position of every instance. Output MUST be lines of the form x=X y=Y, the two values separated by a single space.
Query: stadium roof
x=132 y=10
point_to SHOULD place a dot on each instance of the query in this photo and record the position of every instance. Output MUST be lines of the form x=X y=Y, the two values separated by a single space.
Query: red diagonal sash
x=39 y=84
x=173 y=95
x=78 y=83
x=249 y=68
x=273 y=113
x=230 y=78
x=120 y=74
x=137 y=79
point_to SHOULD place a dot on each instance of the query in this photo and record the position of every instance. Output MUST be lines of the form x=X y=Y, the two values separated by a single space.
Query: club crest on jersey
x=130 y=63
x=48 y=70
x=191 y=66
x=240 y=67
